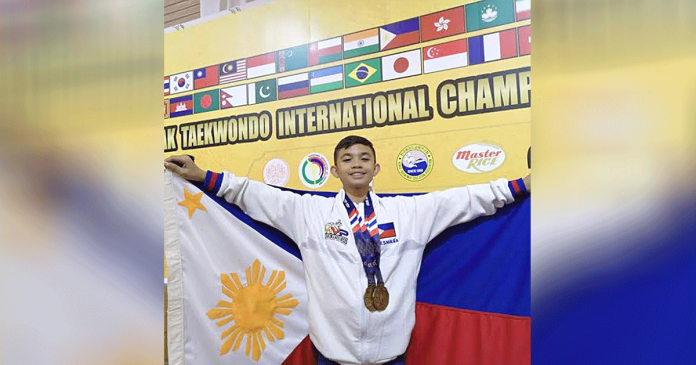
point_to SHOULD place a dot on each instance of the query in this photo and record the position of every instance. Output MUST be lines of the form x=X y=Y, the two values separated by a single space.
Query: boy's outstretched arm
x=184 y=166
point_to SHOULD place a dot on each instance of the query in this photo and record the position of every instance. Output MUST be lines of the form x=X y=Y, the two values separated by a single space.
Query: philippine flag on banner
x=401 y=65
x=445 y=56
x=223 y=266
x=494 y=46
x=399 y=34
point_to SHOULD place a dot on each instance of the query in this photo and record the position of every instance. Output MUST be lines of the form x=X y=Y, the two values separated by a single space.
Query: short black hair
x=348 y=142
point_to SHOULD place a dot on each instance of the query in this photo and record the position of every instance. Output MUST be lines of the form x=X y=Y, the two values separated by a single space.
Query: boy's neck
x=357 y=195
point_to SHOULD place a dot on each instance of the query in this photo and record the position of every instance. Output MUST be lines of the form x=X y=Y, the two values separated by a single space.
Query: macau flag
x=489 y=13
x=363 y=72
x=206 y=101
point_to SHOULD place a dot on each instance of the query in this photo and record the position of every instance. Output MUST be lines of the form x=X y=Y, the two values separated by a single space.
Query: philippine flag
x=205 y=77
x=386 y=230
x=494 y=46
x=223 y=265
x=445 y=56
x=401 y=65
x=295 y=85
x=399 y=34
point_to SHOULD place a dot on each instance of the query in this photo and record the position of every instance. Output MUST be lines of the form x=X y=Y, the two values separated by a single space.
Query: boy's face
x=356 y=166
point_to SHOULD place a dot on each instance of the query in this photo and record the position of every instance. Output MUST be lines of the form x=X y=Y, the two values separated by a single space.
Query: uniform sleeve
x=434 y=212
x=283 y=210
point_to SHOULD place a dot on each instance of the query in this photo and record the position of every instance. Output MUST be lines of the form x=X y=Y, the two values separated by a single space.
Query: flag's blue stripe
x=406 y=26
x=481 y=265
x=327 y=71
x=179 y=99
x=476 y=50
x=293 y=86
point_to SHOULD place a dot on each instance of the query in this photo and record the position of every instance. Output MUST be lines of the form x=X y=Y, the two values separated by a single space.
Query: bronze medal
x=369 y=292
x=380 y=297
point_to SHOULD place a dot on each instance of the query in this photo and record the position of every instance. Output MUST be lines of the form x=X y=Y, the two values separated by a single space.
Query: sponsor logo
x=415 y=162
x=333 y=231
x=314 y=170
x=276 y=172
x=478 y=157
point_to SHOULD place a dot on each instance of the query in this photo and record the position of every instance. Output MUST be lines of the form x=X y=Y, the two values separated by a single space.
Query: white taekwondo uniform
x=341 y=327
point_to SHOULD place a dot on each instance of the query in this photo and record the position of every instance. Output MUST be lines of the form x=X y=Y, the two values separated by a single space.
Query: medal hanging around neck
x=367 y=240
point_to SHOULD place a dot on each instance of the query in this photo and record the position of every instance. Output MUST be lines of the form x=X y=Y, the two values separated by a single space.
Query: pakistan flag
x=489 y=13
x=262 y=91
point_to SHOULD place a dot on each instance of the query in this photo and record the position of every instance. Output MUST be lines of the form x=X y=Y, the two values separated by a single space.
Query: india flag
x=361 y=43
x=325 y=80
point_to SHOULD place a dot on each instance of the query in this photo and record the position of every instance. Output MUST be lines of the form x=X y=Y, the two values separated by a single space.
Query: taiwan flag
x=472 y=296
x=205 y=77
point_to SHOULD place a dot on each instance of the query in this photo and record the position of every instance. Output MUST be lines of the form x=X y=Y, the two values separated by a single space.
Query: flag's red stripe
x=403 y=40
x=303 y=354
x=447 y=335
x=291 y=93
x=508 y=43
x=387 y=233
x=261 y=60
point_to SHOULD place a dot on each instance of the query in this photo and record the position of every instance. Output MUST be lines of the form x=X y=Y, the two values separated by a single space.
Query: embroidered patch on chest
x=333 y=231
x=387 y=233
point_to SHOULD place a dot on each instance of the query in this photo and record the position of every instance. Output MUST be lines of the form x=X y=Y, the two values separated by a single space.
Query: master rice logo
x=314 y=170
x=415 y=162
x=478 y=157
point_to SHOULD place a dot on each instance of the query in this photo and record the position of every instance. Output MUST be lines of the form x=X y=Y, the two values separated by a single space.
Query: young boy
x=361 y=290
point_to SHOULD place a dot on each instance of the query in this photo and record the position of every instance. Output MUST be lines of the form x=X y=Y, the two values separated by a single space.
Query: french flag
x=492 y=47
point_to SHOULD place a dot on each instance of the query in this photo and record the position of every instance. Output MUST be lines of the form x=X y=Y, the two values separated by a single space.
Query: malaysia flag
x=399 y=34
x=494 y=46
x=205 y=77
x=445 y=56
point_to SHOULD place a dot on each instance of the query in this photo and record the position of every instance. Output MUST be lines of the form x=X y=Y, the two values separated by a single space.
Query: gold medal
x=369 y=297
x=380 y=297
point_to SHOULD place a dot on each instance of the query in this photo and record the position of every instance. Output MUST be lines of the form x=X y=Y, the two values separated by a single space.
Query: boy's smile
x=355 y=167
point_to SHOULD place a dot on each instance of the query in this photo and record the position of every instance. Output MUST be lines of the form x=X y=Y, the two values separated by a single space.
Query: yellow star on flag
x=192 y=202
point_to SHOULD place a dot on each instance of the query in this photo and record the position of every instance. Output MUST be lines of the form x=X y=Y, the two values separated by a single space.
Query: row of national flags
x=468 y=18
x=440 y=57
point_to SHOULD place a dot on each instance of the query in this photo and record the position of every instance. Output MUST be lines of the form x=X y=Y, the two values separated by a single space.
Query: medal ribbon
x=366 y=238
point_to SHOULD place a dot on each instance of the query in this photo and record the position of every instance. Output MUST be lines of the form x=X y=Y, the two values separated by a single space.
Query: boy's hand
x=528 y=182
x=184 y=166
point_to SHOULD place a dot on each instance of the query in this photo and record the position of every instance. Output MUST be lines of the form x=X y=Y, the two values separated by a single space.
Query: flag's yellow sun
x=252 y=309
